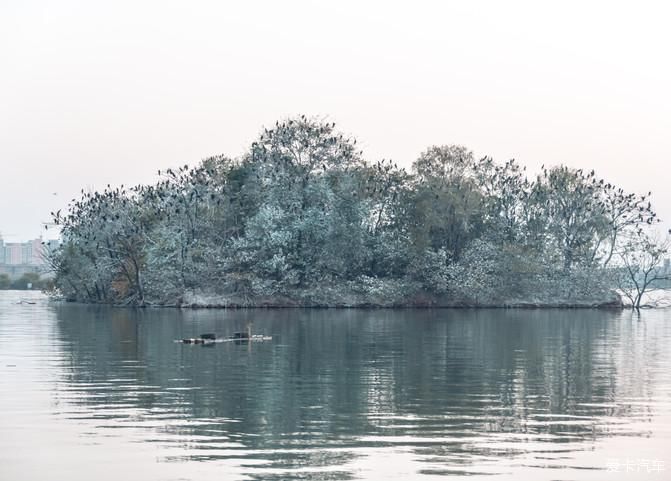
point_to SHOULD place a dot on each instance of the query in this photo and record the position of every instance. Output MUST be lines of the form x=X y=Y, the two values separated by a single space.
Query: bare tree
x=641 y=257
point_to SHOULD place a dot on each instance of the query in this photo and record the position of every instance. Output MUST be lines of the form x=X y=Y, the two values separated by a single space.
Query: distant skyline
x=95 y=93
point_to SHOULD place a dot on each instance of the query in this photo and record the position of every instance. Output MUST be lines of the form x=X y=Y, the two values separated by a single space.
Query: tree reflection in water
x=460 y=391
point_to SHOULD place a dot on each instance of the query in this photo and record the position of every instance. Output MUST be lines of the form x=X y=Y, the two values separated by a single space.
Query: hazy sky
x=93 y=93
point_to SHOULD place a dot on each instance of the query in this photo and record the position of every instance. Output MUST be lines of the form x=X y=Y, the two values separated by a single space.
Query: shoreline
x=198 y=300
x=363 y=306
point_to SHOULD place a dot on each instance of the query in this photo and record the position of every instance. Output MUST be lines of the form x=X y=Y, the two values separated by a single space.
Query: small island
x=303 y=220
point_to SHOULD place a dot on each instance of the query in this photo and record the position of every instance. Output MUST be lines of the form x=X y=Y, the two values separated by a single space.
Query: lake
x=105 y=393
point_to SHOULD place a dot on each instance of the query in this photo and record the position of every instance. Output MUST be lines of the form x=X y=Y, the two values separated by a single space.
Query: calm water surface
x=105 y=394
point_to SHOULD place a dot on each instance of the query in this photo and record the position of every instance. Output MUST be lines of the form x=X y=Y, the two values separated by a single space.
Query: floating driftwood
x=237 y=337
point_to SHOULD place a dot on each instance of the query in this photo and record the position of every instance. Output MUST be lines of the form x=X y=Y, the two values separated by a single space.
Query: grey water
x=104 y=393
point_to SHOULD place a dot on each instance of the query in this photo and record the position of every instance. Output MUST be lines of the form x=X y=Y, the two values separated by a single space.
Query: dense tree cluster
x=303 y=219
x=29 y=280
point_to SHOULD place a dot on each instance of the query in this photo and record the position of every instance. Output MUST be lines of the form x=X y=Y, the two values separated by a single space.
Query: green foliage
x=304 y=218
x=31 y=279
x=447 y=207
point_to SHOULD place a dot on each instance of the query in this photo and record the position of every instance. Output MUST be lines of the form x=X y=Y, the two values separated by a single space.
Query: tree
x=625 y=214
x=103 y=254
x=506 y=190
x=31 y=279
x=640 y=258
x=446 y=207
x=5 y=282
x=303 y=211
x=309 y=173
x=567 y=214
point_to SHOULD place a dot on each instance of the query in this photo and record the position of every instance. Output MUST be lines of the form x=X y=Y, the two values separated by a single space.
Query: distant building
x=13 y=253
x=29 y=253
x=17 y=258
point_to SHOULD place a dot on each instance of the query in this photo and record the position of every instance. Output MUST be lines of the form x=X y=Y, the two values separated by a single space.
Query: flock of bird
x=290 y=154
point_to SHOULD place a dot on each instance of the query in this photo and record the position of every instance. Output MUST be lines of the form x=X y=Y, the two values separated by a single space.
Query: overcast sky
x=93 y=93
